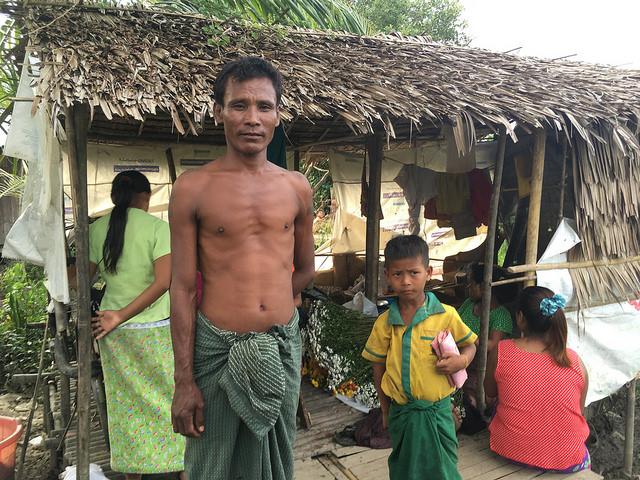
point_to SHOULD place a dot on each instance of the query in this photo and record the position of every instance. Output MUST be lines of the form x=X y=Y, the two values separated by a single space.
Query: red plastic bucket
x=10 y=432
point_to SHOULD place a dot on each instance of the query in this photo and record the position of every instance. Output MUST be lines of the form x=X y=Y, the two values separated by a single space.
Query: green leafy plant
x=24 y=300
x=335 y=337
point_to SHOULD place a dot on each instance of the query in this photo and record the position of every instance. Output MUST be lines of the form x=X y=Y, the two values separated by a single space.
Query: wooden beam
x=374 y=147
x=489 y=246
x=76 y=125
x=571 y=265
x=512 y=280
x=535 y=199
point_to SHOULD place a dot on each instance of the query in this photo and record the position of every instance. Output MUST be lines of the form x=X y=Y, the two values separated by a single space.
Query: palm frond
x=11 y=185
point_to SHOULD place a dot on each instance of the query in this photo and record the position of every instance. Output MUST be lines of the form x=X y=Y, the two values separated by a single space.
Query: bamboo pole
x=77 y=121
x=571 y=265
x=563 y=179
x=627 y=469
x=374 y=148
x=512 y=280
x=535 y=199
x=488 y=268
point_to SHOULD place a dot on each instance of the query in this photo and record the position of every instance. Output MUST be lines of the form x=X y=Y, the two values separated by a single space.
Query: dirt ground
x=606 y=418
x=37 y=464
x=606 y=444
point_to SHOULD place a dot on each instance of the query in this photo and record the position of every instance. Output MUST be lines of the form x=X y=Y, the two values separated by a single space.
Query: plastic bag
x=95 y=473
x=444 y=343
x=362 y=304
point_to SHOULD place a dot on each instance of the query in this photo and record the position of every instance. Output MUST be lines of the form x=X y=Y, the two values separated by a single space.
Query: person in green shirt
x=500 y=323
x=130 y=250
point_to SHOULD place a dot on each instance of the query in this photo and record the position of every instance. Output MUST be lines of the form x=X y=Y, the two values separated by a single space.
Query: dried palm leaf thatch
x=134 y=62
x=148 y=66
x=607 y=176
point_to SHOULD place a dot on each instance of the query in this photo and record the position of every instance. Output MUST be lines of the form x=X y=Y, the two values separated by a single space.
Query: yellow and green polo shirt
x=407 y=353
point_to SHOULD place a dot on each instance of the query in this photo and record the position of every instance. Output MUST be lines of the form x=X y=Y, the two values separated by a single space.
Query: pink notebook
x=444 y=343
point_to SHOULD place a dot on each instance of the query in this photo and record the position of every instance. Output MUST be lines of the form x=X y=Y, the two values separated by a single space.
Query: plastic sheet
x=606 y=337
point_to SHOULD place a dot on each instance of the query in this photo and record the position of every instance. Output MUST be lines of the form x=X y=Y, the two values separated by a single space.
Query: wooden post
x=627 y=469
x=76 y=125
x=563 y=179
x=489 y=246
x=535 y=199
x=374 y=147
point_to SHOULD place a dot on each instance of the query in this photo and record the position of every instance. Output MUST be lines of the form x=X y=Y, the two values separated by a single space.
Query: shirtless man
x=243 y=222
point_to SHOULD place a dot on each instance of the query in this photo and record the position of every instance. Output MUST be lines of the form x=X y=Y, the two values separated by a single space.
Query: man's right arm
x=188 y=404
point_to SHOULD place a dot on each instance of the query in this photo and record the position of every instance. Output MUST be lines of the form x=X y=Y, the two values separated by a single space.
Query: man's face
x=249 y=115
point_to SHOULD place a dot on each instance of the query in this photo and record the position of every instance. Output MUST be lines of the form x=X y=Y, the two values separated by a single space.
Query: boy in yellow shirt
x=410 y=380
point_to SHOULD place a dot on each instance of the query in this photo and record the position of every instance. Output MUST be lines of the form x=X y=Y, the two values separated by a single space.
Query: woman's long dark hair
x=123 y=188
x=555 y=325
x=504 y=293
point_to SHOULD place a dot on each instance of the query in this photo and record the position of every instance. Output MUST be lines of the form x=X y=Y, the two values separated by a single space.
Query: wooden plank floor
x=476 y=462
x=328 y=416
x=319 y=457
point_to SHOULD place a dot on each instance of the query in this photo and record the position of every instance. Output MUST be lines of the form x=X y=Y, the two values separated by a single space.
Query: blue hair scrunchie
x=548 y=306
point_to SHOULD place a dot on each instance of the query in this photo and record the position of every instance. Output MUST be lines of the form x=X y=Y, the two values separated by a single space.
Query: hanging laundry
x=418 y=186
x=480 y=190
x=364 y=188
x=453 y=190
x=364 y=191
x=431 y=213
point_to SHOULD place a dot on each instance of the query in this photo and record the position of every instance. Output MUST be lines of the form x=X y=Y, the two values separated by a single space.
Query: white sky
x=604 y=31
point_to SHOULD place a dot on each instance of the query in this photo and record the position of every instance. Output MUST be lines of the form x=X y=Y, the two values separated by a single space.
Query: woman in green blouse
x=500 y=323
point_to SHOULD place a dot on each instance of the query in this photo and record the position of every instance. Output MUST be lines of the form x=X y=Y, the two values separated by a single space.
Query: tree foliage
x=440 y=19
x=313 y=14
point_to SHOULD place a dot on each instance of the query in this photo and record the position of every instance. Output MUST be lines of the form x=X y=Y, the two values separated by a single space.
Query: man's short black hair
x=406 y=246
x=243 y=69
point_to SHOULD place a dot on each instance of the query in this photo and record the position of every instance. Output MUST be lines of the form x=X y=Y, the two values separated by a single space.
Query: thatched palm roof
x=147 y=74
x=138 y=63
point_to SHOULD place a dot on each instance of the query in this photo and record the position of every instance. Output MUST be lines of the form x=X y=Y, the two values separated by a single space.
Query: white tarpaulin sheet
x=606 y=337
x=349 y=231
x=104 y=162
x=38 y=234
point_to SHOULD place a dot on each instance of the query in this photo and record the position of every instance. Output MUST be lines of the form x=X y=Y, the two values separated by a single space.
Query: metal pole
x=488 y=268
x=76 y=124
x=374 y=148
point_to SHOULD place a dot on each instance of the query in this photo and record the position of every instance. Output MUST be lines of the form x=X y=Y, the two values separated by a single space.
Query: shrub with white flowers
x=335 y=337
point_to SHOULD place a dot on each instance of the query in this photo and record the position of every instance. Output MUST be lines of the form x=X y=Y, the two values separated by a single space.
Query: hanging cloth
x=453 y=190
x=418 y=187
x=480 y=191
x=364 y=189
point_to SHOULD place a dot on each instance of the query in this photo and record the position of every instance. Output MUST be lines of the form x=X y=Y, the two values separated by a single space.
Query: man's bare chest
x=249 y=208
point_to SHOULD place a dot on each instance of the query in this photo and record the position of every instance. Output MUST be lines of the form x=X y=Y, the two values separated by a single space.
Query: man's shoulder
x=288 y=175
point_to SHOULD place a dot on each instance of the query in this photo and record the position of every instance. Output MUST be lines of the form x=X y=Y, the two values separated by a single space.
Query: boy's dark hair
x=555 y=325
x=406 y=246
x=243 y=69
x=123 y=187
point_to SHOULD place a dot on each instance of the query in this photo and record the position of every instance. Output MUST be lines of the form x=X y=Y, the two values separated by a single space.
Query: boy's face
x=408 y=277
